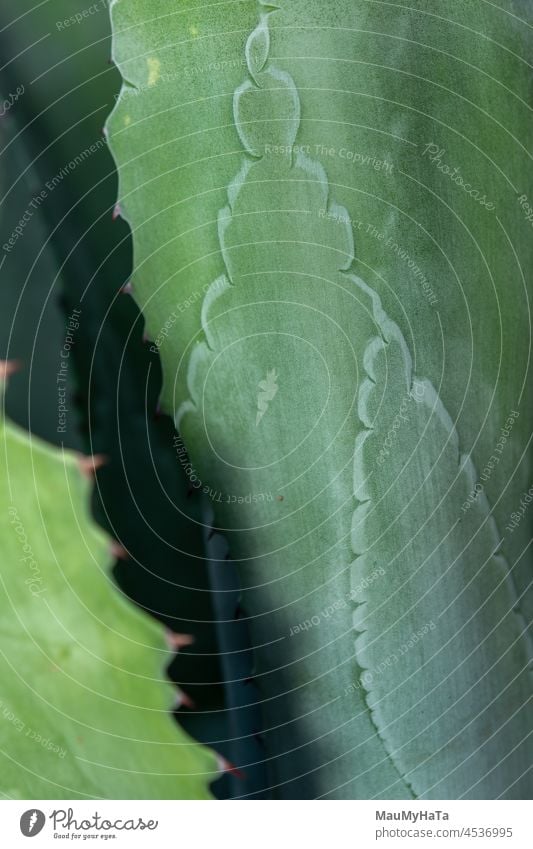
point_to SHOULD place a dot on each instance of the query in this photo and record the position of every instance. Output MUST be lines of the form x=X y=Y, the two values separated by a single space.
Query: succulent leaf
x=84 y=703
x=350 y=493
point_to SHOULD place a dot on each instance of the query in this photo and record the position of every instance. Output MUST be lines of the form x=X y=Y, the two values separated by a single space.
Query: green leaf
x=358 y=418
x=450 y=696
x=141 y=494
x=84 y=707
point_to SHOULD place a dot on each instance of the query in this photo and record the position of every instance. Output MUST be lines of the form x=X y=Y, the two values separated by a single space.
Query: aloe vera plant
x=72 y=254
x=357 y=410
x=84 y=713
x=141 y=495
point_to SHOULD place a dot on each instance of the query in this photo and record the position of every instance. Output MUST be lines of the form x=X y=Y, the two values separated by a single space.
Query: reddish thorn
x=117 y=211
x=9 y=367
x=183 y=700
x=280 y=497
x=127 y=289
x=177 y=641
x=118 y=551
x=89 y=465
x=226 y=766
x=146 y=338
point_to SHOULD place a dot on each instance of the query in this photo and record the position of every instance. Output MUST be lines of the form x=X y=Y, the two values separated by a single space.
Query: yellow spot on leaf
x=127 y=120
x=193 y=30
x=154 y=70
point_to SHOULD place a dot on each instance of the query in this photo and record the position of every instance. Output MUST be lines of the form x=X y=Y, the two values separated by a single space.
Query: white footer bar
x=267 y=825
